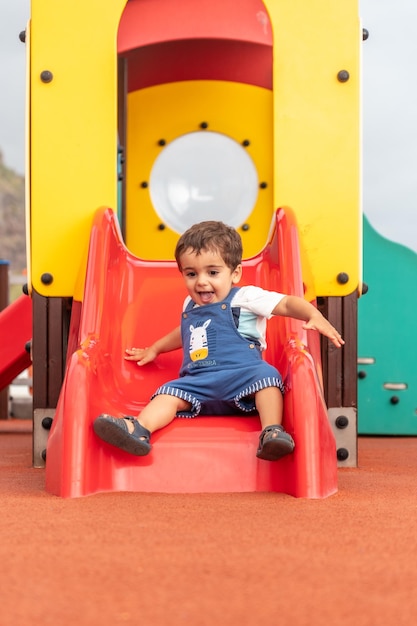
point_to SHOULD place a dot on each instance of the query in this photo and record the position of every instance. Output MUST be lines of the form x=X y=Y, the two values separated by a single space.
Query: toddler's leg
x=274 y=442
x=161 y=410
x=132 y=436
x=270 y=406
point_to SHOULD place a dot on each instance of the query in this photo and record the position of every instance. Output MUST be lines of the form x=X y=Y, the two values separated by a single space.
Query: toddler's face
x=207 y=278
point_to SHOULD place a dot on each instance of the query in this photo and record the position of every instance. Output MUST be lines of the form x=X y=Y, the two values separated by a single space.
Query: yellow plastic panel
x=317 y=133
x=73 y=132
x=242 y=112
x=27 y=157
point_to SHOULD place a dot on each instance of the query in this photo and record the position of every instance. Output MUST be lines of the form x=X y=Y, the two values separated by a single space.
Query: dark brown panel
x=50 y=338
x=40 y=350
x=340 y=365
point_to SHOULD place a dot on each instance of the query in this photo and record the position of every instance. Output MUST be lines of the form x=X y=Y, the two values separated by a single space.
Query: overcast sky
x=389 y=109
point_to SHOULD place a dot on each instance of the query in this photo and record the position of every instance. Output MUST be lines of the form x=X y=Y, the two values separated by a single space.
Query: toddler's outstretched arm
x=293 y=306
x=171 y=341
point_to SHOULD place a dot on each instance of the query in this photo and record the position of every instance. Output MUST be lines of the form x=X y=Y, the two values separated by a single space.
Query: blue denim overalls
x=221 y=370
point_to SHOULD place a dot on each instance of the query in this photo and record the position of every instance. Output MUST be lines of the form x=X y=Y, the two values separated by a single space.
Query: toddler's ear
x=237 y=274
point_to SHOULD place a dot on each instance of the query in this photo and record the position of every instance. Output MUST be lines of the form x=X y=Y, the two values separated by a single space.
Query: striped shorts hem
x=241 y=399
x=166 y=390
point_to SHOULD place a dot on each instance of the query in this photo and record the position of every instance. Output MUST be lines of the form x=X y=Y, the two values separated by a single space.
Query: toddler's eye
x=190 y=274
x=213 y=272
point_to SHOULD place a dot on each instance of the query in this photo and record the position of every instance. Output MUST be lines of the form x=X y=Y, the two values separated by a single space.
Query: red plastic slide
x=128 y=302
x=15 y=332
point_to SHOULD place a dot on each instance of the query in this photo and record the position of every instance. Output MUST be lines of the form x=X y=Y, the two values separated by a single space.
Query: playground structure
x=16 y=331
x=107 y=120
x=387 y=380
x=213 y=454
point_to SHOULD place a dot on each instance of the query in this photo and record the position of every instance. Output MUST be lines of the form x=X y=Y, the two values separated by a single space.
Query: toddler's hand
x=320 y=323
x=142 y=356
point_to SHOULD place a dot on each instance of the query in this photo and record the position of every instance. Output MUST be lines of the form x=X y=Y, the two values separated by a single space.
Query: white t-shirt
x=256 y=306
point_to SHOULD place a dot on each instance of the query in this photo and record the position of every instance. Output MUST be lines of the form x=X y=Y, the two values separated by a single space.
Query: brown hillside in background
x=12 y=218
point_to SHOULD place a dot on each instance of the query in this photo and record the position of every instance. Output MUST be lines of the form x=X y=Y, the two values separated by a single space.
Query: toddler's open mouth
x=206 y=296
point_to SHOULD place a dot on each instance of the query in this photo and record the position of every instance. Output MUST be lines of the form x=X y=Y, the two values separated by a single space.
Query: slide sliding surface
x=132 y=302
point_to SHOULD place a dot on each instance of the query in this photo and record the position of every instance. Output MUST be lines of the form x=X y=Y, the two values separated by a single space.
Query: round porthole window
x=203 y=176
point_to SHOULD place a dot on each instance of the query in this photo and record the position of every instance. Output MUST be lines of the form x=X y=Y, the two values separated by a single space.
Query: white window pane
x=203 y=176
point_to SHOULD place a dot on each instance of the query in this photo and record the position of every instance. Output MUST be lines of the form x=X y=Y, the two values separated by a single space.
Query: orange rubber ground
x=211 y=560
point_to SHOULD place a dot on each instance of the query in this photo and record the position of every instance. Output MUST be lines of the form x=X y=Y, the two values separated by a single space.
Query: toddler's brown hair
x=214 y=236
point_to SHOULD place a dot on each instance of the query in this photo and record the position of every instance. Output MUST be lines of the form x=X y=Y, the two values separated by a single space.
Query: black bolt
x=342 y=454
x=28 y=346
x=394 y=400
x=246 y=143
x=245 y=227
x=47 y=278
x=161 y=142
x=43 y=454
x=46 y=76
x=22 y=36
x=25 y=289
x=204 y=125
x=365 y=288
x=144 y=184
x=343 y=76
x=361 y=374
x=342 y=421
x=120 y=177
x=161 y=226
x=365 y=34
x=47 y=423
x=342 y=278
x=263 y=185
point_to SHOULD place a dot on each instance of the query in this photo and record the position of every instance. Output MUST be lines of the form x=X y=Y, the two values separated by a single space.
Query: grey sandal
x=274 y=443
x=114 y=430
